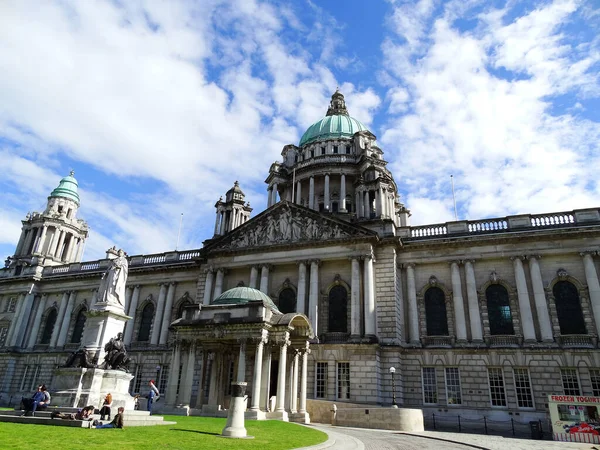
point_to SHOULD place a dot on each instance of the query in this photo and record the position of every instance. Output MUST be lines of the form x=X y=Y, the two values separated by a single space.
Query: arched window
x=338 y=310
x=498 y=307
x=182 y=308
x=568 y=308
x=49 y=326
x=435 y=312
x=287 y=301
x=78 y=328
x=146 y=323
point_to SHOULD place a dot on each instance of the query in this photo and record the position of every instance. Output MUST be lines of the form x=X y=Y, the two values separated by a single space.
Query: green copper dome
x=330 y=127
x=67 y=188
x=336 y=124
x=241 y=295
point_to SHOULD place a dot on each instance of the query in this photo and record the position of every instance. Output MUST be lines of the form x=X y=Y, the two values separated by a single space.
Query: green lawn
x=188 y=433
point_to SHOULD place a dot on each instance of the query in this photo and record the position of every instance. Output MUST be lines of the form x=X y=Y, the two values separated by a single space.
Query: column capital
x=470 y=261
x=268 y=266
x=588 y=252
x=224 y=270
x=262 y=339
x=409 y=265
x=283 y=340
x=452 y=262
x=533 y=257
x=517 y=257
x=209 y=269
x=315 y=261
x=305 y=262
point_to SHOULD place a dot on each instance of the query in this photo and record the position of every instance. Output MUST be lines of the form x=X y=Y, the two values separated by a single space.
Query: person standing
x=153 y=395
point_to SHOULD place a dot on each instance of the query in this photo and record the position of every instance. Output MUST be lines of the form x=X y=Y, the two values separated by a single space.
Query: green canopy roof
x=241 y=295
x=67 y=188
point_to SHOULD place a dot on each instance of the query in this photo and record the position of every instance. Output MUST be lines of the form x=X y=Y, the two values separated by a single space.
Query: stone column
x=257 y=379
x=80 y=248
x=241 y=368
x=31 y=236
x=474 y=316
x=366 y=204
x=459 y=304
x=294 y=387
x=264 y=278
x=274 y=194
x=64 y=327
x=343 y=193
x=413 y=312
x=217 y=224
x=53 y=242
x=171 y=397
x=164 y=331
x=24 y=313
x=283 y=345
x=254 y=277
x=355 y=331
x=298 y=192
x=135 y=298
x=222 y=225
x=369 y=296
x=128 y=294
x=185 y=390
x=378 y=201
x=301 y=296
x=61 y=314
x=40 y=244
x=208 y=285
x=61 y=241
x=269 y=197
x=524 y=304
x=265 y=381
x=21 y=242
x=304 y=379
x=591 y=277
x=219 y=282
x=311 y=193
x=160 y=307
x=358 y=209
x=313 y=296
x=15 y=323
x=67 y=256
x=35 y=329
x=539 y=297
x=327 y=195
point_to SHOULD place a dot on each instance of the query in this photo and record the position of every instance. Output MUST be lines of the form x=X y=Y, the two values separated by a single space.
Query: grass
x=188 y=433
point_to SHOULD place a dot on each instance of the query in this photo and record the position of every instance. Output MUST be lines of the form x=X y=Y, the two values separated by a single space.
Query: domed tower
x=232 y=212
x=338 y=168
x=55 y=236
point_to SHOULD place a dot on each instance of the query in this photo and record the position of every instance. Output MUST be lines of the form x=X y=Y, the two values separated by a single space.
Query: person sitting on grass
x=81 y=414
x=117 y=422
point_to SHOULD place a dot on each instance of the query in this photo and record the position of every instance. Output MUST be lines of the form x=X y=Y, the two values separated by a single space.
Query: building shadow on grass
x=196 y=431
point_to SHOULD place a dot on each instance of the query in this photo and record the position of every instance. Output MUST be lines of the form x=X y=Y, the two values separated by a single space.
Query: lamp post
x=393 y=371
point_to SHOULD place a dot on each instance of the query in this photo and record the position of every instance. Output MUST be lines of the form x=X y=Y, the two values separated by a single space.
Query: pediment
x=289 y=224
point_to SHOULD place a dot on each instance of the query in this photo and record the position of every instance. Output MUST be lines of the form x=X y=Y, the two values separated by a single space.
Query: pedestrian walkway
x=344 y=438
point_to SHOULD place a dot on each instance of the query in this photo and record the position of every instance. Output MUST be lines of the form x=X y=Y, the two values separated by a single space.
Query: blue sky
x=160 y=106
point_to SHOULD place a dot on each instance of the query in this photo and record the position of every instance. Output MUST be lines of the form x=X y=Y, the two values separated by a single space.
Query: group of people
x=41 y=399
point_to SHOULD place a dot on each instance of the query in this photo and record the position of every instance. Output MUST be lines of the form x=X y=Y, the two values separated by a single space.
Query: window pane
x=321 y=381
x=343 y=381
x=568 y=308
x=523 y=388
x=287 y=301
x=570 y=381
x=146 y=323
x=435 y=312
x=338 y=310
x=499 y=313
x=453 y=395
x=595 y=379
x=429 y=385
x=49 y=326
x=497 y=393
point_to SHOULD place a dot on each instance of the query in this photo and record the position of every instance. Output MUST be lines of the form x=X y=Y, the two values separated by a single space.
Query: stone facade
x=335 y=244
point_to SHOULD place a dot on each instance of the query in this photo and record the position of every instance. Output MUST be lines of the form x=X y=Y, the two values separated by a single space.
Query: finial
x=72 y=172
x=236 y=183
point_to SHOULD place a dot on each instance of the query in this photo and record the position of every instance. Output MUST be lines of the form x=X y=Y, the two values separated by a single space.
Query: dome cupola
x=67 y=188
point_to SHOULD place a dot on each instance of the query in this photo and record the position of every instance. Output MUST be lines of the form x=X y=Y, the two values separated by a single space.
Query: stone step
x=131 y=419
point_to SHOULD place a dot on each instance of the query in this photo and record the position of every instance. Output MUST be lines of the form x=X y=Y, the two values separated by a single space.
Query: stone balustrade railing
x=523 y=222
x=576 y=341
x=326 y=159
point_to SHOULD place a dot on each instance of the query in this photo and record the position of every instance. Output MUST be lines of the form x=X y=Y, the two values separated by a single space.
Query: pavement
x=345 y=438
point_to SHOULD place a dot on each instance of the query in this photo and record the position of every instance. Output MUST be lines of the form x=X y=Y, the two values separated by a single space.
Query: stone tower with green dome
x=55 y=236
x=338 y=168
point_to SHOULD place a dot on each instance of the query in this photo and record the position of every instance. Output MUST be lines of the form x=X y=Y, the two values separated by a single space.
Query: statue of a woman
x=112 y=286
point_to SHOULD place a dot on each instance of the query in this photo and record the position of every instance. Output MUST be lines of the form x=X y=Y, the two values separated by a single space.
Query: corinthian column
x=313 y=296
x=135 y=298
x=370 y=326
x=474 y=316
x=219 y=282
x=283 y=345
x=61 y=314
x=303 y=379
x=301 y=297
x=311 y=193
x=64 y=327
x=591 y=277
x=208 y=286
x=253 y=277
x=264 y=278
x=164 y=331
x=38 y=319
x=459 y=305
x=355 y=299
x=539 y=296
x=343 y=193
x=257 y=379
x=160 y=307
x=413 y=313
x=524 y=305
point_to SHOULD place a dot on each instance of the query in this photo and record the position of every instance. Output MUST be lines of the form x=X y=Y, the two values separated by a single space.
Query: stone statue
x=115 y=357
x=80 y=358
x=112 y=286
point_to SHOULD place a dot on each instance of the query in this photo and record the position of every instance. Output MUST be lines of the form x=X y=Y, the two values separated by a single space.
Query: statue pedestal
x=77 y=387
x=103 y=322
x=234 y=428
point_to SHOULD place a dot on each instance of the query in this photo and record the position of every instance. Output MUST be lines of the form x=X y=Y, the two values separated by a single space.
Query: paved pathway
x=344 y=438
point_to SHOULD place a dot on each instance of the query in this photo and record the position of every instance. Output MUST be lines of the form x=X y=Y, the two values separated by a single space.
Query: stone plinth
x=103 y=323
x=235 y=420
x=399 y=419
x=77 y=387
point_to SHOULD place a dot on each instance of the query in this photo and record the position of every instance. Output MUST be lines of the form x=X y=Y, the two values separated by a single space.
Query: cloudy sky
x=160 y=106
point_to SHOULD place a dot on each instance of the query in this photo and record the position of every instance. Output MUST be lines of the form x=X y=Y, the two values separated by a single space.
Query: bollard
x=433 y=415
x=485 y=424
x=459 y=427
x=333 y=414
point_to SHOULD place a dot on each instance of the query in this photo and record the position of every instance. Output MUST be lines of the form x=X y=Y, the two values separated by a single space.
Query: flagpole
x=179 y=233
x=454 y=198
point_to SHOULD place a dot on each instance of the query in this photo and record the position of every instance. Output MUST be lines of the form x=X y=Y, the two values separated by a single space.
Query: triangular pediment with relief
x=288 y=224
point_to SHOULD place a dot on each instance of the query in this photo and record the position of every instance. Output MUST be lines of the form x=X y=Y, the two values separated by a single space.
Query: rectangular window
x=523 y=388
x=322 y=150
x=429 y=385
x=453 y=394
x=347 y=149
x=594 y=378
x=138 y=379
x=321 y=380
x=335 y=149
x=3 y=334
x=162 y=379
x=497 y=392
x=312 y=153
x=570 y=381
x=343 y=381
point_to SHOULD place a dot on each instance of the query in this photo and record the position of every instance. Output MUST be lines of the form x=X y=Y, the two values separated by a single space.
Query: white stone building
x=480 y=317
